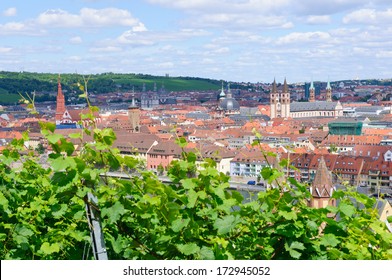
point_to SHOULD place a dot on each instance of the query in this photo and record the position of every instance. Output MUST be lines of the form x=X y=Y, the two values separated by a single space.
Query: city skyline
x=233 y=40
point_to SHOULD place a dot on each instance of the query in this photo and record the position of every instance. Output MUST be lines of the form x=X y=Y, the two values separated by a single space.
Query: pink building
x=162 y=154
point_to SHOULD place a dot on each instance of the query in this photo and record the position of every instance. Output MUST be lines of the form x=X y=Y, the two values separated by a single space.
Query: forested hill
x=13 y=83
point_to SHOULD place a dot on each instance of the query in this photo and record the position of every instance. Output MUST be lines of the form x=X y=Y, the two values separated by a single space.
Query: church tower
x=280 y=102
x=62 y=115
x=134 y=117
x=329 y=92
x=222 y=94
x=285 y=101
x=312 y=95
x=322 y=187
x=274 y=102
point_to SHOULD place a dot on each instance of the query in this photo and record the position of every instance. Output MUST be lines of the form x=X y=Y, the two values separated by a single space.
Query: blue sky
x=233 y=40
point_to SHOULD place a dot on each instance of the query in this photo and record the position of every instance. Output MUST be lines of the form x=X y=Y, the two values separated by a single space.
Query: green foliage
x=11 y=83
x=196 y=216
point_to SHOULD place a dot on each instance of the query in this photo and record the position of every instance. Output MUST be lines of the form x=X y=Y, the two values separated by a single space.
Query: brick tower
x=322 y=187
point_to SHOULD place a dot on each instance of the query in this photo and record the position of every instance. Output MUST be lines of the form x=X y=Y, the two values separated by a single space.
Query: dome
x=229 y=104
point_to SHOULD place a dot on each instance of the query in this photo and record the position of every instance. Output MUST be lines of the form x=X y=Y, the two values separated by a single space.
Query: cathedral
x=281 y=107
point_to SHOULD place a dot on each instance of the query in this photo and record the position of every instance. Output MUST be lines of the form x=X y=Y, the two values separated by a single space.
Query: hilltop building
x=149 y=100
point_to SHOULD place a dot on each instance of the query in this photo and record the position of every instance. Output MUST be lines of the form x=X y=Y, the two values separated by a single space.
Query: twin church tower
x=280 y=101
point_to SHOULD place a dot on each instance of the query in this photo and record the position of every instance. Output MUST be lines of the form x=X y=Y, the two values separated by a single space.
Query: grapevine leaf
x=48 y=249
x=54 y=138
x=226 y=224
x=346 y=209
x=59 y=210
x=179 y=224
x=192 y=198
x=188 y=183
x=288 y=215
x=329 y=240
x=294 y=249
x=181 y=142
x=75 y=135
x=3 y=201
x=206 y=253
x=188 y=249
x=113 y=213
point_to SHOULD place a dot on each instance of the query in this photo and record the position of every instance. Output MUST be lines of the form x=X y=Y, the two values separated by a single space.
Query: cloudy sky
x=235 y=40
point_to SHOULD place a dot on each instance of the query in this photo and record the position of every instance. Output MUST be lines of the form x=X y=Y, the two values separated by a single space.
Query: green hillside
x=13 y=83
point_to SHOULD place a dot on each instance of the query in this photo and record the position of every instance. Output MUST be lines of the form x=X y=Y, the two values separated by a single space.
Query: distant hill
x=13 y=83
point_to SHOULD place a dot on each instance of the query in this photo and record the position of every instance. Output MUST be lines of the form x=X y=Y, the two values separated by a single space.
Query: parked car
x=251 y=183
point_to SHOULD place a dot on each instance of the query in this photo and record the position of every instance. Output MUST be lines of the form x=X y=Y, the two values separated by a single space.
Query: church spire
x=222 y=93
x=274 y=90
x=229 y=94
x=312 y=95
x=322 y=187
x=60 y=102
x=328 y=85
x=285 y=87
x=322 y=182
x=133 y=104
x=329 y=92
x=311 y=85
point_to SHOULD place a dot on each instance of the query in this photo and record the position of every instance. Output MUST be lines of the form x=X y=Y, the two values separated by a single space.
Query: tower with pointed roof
x=312 y=93
x=62 y=115
x=222 y=94
x=285 y=100
x=322 y=187
x=274 y=101
x=134 y=117
x=328 y=96
x=280 y=102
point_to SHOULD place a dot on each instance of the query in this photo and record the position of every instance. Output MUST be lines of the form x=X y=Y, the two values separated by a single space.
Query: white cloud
x=58 y=18
x=263 y=6
x=21 y=28
x=384 y=54
x=134 y=38
x=10 y=12
x=233 y=14
x=89 y=18
x=167 y=64
x=318 y=20
x=147 y=38
x=304 y=37
x=4 y=50
x=239 y=21
x=107 y=49
x=75 y=58
x=369 y=16
x=76 y=40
